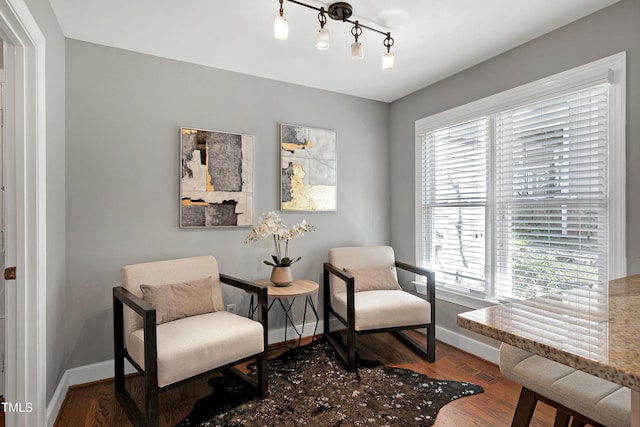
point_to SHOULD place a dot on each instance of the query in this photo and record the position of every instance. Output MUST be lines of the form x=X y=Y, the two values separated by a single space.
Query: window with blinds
x=551 y=194
x=454 y=203
x=519 y=200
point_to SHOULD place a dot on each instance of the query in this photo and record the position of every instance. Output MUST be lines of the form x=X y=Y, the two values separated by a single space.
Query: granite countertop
x=594 y=329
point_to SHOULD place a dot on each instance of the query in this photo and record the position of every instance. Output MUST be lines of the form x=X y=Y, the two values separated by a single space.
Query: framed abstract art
x=308 y=169
x=216 y=182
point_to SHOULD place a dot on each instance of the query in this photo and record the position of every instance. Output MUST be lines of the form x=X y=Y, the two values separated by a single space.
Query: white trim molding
x=464 y=343
x=81 y=375
x=25 y=131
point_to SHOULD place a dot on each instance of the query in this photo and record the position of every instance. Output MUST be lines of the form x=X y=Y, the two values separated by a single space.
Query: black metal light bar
x=340 y=11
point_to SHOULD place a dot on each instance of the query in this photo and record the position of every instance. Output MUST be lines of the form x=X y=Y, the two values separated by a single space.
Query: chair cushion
x=177 y=300
x=601 y=400
x=384 y=309
x=196 y=344
x=371 y=279
x=165 y=272
x=359 y=258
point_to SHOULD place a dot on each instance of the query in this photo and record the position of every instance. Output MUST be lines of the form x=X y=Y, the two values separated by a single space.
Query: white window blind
x=523 y=192
x=454 y=198
x=551 y=194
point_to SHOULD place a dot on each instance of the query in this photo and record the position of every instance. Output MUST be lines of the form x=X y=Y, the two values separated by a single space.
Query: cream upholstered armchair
x=361 y=290
x=170 y=323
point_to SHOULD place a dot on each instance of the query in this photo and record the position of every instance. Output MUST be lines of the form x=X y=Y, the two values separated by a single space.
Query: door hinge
x=10 y=273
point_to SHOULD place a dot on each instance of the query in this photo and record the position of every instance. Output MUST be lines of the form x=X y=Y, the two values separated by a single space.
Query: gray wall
x=124 y=111
x=604 y=33
x=55 y=140
x=123 y=114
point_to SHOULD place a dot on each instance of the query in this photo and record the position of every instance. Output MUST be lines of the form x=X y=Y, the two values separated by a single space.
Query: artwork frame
x=308 y=169
x=216 y=179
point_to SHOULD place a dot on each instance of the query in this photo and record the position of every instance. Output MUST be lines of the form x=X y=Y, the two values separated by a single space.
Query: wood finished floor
x=95 y=404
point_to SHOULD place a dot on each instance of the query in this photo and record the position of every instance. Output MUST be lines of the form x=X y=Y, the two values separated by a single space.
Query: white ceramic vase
x=281 y=276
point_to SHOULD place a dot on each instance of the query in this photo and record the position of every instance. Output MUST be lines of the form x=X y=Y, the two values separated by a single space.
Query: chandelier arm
x=304 y=4
x=364 y=26
x=384 y=33
x=388 y=42
x=322 y=18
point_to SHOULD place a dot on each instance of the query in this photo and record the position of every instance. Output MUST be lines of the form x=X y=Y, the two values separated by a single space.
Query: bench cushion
x=595 y=398
x=197 y=344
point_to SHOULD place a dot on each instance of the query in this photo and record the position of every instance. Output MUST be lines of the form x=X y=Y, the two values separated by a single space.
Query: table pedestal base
x=297 y=359
x=286 y=297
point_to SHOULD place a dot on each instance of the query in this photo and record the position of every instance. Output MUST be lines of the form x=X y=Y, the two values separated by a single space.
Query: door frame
x=25 y=207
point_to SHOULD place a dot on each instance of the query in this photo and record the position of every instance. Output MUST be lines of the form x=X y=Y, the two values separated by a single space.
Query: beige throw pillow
x=374 y=279
x=177 y=300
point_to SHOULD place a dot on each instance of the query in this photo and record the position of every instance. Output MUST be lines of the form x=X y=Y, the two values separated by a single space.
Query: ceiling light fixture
x=340 y=11
x=280 y=26
x=322 y=42
x=387 y=58
x=356 y=47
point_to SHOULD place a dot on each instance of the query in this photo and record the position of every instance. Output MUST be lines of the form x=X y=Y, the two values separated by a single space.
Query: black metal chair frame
x=348 y=354
x=150 y=416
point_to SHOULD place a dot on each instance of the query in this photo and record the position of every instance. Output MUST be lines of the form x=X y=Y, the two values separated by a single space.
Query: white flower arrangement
x=270 y=225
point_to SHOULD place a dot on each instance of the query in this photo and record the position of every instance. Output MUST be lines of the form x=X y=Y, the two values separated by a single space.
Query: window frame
x=611 y=69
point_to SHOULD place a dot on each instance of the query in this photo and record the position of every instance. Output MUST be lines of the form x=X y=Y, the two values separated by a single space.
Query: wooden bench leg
x=527 y=405
x=562 y=419
x=524 y=410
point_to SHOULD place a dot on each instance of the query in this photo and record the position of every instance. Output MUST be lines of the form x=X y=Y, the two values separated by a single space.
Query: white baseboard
x=464 y=343
x=81 y=375
x=278 y=335
x=56 y=400
x=103 y=370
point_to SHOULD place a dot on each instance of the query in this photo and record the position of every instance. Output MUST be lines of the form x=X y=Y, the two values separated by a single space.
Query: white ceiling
x=433 y=39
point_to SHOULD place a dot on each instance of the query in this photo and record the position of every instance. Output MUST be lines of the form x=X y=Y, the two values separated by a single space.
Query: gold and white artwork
x=308 y=168
x=216 y=183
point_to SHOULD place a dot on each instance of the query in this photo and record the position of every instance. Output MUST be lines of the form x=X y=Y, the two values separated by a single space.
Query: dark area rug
x=322 y=393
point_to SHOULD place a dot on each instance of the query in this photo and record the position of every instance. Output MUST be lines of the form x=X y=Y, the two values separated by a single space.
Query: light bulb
x=322 y=42
x=281 y=28
x=387 y=61
x=356 y=51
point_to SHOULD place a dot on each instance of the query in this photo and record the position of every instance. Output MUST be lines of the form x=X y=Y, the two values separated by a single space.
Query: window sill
x=465 y=300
